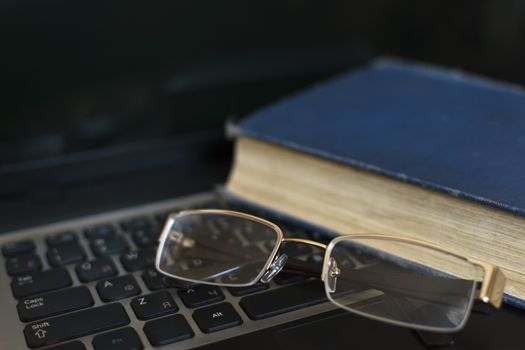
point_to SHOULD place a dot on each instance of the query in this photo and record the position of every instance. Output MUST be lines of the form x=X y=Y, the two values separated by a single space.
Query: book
x=396 y=147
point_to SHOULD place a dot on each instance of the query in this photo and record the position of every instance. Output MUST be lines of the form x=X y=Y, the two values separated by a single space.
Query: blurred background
x=109 y=104
x=84 y=75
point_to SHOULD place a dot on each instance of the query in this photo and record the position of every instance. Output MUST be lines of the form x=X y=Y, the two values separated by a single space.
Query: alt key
x=216 y=317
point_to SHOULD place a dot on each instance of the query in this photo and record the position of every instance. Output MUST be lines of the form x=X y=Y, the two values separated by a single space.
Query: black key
x=154 y=280
x=97 y=269
x=145 y=237
x=168 y=330
x=109 y=246
x=161 y=218
x=287 y=278
x=118 y=288
x=217 y=317
x=17 y=248
x=65 y=254
x=74 y=325
x=138 y=259
x=154 y=305
x=100 y=231
x=293 y=250
x=316 y=258
x=74 y=345
x=40 y=282
x=178 y=284
x=200 y=295
x=282 y=300
x=54 y=303
x=242 y=291
x=23 y=264
x=139 y=223
x=121 y=339
x=61 y=238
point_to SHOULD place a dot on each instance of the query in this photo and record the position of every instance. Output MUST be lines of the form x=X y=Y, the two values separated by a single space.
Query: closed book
x=396 y=147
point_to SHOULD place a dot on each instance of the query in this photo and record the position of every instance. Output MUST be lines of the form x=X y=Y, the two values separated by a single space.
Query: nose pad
x=274 y=268
x=333 y=272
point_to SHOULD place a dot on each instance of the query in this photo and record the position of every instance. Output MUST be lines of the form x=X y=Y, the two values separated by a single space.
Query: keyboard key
x=200 y=295
x=61 y=238
x=138 y=223
x=23 y=264
x=100 y=231
x=74 y=345
x=161 y=217
x=145 y=237
x=17 y=248
x=154 y=280
x=109 y=246
x=216 y=317
x=154 y=305
x=54 y=303
x=65 y=254
x=294 y=250
x=40 y=282
x=97 y=269
x=282 y=300
x=118 y=288
x=121 y=339
x=242 y=291
x=74 y=325
x=138 y=259
x=287 y=278
x=168 y=330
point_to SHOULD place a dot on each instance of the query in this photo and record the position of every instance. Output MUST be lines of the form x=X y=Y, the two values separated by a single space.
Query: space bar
x=78 y=324
x=282 y=300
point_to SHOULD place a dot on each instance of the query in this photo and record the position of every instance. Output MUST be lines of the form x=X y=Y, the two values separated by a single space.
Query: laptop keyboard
x=98 y=284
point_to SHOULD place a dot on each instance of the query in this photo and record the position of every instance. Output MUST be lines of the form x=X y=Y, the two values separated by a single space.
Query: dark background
x=109 y=104
x=83 y=75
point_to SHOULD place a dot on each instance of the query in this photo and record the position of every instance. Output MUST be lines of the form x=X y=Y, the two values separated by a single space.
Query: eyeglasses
x=393 y=279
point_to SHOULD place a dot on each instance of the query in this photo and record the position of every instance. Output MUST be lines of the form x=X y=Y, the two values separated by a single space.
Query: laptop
x=77 y=263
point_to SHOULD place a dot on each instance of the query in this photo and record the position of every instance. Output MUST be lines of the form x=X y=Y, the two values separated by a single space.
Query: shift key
x=74 y=325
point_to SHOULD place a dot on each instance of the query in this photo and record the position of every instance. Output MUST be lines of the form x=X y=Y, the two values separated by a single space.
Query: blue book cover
x=437 y=128
x=440 y=129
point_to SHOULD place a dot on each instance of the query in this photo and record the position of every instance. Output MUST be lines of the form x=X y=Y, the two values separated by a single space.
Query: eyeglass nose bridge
x=274 y=268
x=331 y=277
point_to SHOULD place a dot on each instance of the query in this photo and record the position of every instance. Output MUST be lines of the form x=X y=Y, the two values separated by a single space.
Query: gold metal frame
x=490 y=292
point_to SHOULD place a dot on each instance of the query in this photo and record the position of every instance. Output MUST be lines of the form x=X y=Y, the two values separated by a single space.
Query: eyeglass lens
x=401 y=282
x=217 y=248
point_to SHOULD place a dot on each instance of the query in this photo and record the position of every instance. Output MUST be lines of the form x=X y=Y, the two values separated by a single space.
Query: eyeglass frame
x=490 y=293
